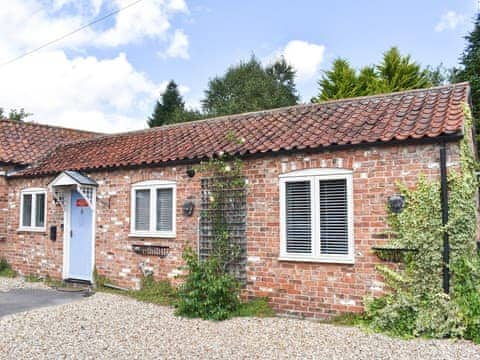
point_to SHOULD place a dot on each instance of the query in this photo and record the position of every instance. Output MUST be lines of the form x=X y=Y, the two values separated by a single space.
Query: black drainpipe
x=446 y=244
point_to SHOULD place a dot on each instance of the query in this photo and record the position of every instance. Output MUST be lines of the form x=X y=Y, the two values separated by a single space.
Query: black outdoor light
x=396 y=203
x=188 y=207
x=191 y=172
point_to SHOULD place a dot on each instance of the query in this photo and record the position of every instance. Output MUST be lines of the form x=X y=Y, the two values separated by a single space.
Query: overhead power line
x=106 y=16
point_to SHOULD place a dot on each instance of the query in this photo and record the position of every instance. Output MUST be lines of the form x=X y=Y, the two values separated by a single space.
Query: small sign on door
x=81 y=203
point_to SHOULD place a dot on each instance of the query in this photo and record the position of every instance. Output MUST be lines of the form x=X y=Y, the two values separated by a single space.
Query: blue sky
x=107 y=78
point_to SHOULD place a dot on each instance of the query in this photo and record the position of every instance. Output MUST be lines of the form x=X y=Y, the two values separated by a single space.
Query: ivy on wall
x=417 y=306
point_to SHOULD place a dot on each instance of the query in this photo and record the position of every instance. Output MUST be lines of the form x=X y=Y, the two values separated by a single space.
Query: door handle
x=71 y=233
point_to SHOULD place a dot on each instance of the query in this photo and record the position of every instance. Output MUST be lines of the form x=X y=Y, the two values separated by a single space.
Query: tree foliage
x=396 y=72
x=14 y=114
x=470 y=70
x=171 y=109
x=249 y=86
x=417 y=305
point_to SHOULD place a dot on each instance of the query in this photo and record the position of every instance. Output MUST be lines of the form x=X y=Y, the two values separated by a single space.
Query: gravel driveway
x=115 y=327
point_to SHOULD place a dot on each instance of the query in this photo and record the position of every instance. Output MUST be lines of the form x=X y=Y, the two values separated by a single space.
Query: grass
x=32 y=278
x=47 y=280
x=255 y=308
x=8 y=273
x=6 y=270
x=347 y=319
x=163 y=293
x=156 y=292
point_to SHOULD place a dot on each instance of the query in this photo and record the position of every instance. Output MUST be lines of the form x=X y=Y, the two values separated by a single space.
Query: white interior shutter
x=142 y=210
x=333 y=217
x=27 y=210
x=164 y=210
x=40 y=210
x=298 y=211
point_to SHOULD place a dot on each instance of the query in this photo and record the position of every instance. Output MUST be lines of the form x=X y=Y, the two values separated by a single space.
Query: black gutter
x=446 y=242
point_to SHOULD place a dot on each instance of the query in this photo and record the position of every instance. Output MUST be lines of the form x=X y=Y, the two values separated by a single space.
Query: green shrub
x=6 y=270
x=466 y=293
x=394 y=314
x=208 y=292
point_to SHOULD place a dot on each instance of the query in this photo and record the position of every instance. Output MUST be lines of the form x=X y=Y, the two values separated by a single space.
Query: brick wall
x=3 y=204
x=309 y=289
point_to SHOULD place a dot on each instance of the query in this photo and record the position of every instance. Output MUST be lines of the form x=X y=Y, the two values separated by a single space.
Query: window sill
x=36 y=230
x=153 y=235
x=347 y=261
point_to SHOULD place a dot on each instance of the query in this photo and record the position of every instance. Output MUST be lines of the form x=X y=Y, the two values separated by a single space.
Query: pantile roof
x=414 y=114
x=24 y=143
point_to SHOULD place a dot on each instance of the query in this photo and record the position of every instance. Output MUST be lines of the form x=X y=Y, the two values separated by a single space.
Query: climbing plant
x=416 y=305
x=211 y=288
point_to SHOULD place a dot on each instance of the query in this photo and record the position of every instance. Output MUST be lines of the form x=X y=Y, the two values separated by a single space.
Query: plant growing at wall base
x=156 y=292
x=211 y=289
x=208 y=291
x=6 y=270
x=417 y=305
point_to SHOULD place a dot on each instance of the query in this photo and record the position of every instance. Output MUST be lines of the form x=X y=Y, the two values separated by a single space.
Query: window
x=316 y=216
x=33 y=209
x=153 y=209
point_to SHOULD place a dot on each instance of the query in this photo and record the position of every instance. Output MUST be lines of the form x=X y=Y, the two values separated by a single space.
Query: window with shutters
x=153 y=209
x=316 y=216
x=33 y=207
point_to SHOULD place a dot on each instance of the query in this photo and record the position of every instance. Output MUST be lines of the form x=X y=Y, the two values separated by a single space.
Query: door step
x=77 y=285
x=77 y=282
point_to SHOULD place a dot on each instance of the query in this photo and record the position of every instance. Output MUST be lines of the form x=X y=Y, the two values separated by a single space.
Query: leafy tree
x=394 y=73
x=171 y=109
x=14 y=114
x=470 y=70
x=249 y=86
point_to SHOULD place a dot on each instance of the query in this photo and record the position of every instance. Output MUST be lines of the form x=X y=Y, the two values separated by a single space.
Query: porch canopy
x=73 y=180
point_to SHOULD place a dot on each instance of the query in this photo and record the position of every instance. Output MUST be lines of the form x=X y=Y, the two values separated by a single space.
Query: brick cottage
x=319 y=179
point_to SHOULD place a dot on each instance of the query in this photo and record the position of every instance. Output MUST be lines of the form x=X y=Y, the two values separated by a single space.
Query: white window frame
x=153 y=185
x=314 y=176
x=34 y=192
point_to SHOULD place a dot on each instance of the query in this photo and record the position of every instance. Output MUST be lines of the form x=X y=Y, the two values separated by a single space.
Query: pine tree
x=394 y=73
x=171 y=109
x=397 y=73
x=338 y=83
x=470 y=70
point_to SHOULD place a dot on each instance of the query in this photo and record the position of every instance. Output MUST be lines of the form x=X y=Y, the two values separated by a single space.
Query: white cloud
x=146 y=19
x=80 y=91
x=83 y=92
x=178 y=47
x=306 y=58
x=26 y=24
x=178 y=5
x=449 y=21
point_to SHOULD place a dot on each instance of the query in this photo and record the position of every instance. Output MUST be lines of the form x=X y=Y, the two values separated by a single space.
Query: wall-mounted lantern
x=188 y=207
x=191 y=172
x=396 y=203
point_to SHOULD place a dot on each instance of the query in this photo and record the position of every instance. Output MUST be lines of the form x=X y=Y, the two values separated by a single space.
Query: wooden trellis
x=230 y=206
